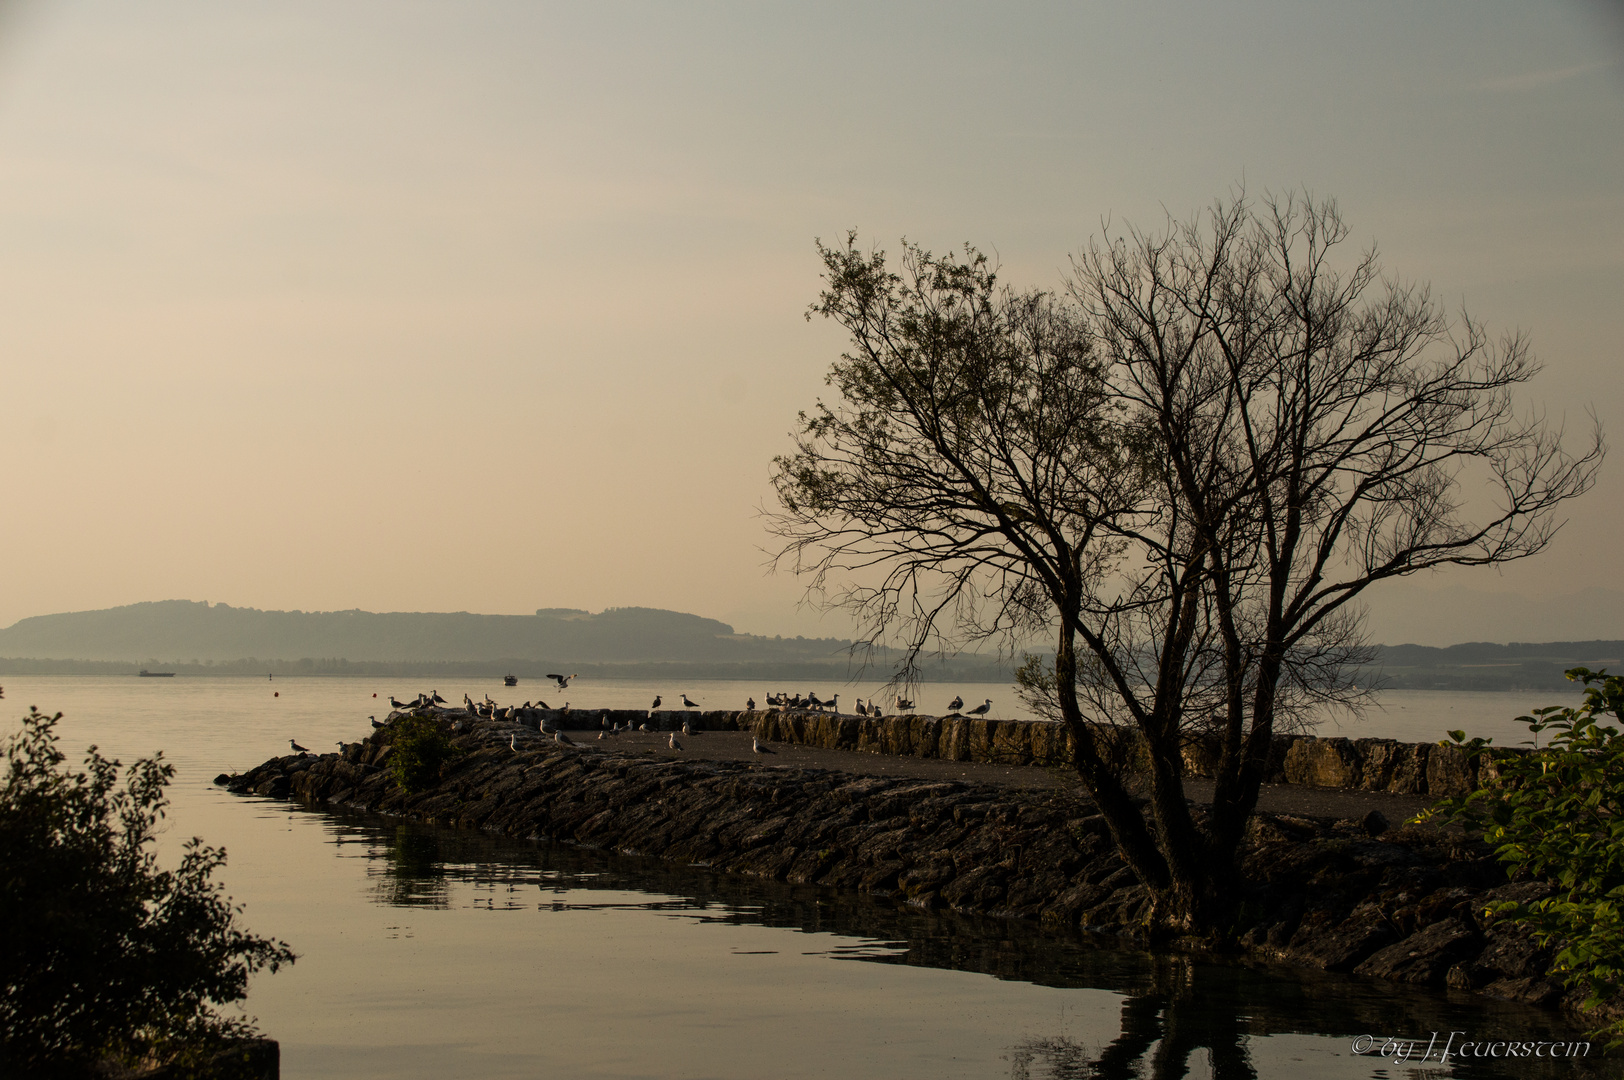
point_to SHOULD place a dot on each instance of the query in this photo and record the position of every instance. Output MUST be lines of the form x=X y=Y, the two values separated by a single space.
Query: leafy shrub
x=104 y=956
x=1557 y=812
x=421 y=745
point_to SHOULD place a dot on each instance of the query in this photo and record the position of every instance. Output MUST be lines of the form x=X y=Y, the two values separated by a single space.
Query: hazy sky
x=498 y=306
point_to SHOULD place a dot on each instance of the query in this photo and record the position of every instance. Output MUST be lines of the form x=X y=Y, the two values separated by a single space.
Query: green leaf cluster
x=105 y=956
x=421 y=744
x=1556 y=812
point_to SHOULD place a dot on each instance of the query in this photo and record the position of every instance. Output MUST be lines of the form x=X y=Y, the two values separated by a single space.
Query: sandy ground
x=735 y=746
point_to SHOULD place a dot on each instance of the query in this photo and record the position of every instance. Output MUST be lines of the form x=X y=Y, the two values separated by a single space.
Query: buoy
x=277 y=694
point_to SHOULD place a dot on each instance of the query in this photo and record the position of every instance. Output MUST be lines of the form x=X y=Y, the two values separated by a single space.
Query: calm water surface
x=428 y=953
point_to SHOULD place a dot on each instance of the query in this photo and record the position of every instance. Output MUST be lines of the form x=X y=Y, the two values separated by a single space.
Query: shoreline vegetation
x=1406 y=904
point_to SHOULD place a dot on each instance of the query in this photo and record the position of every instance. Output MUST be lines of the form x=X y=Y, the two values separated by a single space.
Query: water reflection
x=412 y=872
x=1179 y=1015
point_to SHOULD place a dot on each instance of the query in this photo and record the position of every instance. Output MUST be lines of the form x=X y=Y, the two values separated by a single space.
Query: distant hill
x=185 y=636
x=188 y=635
x=1480 y=665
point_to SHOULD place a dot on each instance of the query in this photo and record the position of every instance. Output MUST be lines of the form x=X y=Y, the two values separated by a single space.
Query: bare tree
x=1313 y=431
x=1188 y=468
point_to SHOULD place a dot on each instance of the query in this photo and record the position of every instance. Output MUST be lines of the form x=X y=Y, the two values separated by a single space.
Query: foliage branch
x=105 y=956
x=1556 y=812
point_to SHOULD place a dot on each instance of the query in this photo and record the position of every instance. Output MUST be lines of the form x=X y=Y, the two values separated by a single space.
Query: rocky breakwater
x=1403 y=903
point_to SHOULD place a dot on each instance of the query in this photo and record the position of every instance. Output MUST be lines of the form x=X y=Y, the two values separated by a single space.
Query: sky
x=495 y=306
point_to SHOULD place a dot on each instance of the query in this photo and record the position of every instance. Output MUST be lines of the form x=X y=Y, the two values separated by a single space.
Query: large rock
x=1327 y=763
x=1342 y=947
x=1426 y=956
x=1448 y=771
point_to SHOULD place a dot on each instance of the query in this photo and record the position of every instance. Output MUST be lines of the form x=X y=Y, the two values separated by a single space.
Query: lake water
x=429 y=953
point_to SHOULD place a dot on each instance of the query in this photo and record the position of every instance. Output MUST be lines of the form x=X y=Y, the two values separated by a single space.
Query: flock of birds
x=541 y=713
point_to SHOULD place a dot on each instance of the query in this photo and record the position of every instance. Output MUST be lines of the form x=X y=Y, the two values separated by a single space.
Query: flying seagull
x=297 y=747
x=563 y=681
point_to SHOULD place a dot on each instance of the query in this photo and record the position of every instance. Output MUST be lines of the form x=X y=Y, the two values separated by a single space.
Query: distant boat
x=145 y=674
x=507 y=680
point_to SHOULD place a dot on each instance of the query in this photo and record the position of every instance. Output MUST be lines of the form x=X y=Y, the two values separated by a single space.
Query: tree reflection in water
x=1163 y=1025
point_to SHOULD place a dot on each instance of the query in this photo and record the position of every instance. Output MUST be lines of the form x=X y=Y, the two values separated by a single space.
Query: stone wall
x=1361 y=764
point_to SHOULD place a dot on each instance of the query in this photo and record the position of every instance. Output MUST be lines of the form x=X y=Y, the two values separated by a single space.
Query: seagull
x=656 y=704
x=376 y=722
x=544 y=705
x=396 y=704
x=563 y=681
x=513 y=741
x=982 y=709
x=562 y=739
x=834 y=704
x=686 y=704
x=686 y=730
x=673 y=743
x=297 y=747
x=862 y=710
x=904 y=703
x=750 y=704
x=642 y=727
x=341 y=746
x=603 y=735
x=755 y=744
x=436 y=698
x=956 y=704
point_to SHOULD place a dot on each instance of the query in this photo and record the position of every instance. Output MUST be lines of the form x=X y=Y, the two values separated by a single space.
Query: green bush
x=105 y=956
x=1557 y=812
x=421 y=745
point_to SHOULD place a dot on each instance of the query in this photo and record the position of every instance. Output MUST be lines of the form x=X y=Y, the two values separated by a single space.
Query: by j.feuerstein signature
x=1444 y=1046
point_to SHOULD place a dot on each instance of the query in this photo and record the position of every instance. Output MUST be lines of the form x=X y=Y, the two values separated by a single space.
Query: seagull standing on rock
x=755 y=744
x=686 y=704
x=956 y=704
x=297 y=747
x=982 y=709
x=673 y=743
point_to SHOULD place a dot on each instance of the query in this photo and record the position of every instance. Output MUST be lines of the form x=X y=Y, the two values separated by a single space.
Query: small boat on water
x=510 y=680
x=145 y=674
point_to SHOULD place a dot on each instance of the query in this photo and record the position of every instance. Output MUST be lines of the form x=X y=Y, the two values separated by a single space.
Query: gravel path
x=1292 y=799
